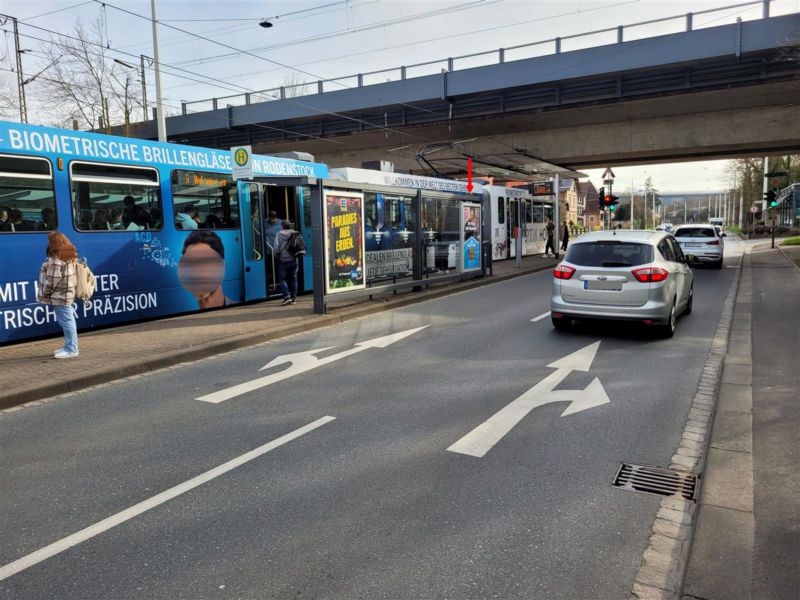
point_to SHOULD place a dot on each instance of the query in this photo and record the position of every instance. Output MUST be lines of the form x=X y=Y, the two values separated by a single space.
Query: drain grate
x=664 y=482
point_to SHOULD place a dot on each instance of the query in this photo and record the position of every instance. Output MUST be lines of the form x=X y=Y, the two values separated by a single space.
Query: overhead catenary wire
x=257 y=125
x=348 y=31
x=248 y=53
x=239 y=90
x=417 y=43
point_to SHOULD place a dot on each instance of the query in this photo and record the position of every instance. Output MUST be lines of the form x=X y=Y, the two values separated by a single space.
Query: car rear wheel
x=688 y=309
x=668 y=330
x=718 y=264
x=561 y=324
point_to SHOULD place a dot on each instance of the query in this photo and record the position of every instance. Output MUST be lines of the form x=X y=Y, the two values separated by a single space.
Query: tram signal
x=601 y=198
x=610 y=201
x=771 y=197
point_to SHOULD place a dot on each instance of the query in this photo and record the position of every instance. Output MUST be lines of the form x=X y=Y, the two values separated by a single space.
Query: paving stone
x=728 y=479
x=721 y=563
x=733 y=397
x=741 y=374
x=733 y=431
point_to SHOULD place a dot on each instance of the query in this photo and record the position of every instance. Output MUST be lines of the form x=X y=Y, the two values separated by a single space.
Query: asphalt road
x=370 y=504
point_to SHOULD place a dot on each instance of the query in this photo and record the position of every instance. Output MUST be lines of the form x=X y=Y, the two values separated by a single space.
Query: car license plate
x=613 y=286
x=693 y=245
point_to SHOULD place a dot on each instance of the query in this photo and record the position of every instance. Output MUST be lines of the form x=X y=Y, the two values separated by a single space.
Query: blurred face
x=3 y=215
x=201 y=270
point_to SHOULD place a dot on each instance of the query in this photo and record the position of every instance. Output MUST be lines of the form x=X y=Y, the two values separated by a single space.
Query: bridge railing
x=466 y=61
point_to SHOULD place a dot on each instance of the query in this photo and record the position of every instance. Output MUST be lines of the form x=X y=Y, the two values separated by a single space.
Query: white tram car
x=515 y=211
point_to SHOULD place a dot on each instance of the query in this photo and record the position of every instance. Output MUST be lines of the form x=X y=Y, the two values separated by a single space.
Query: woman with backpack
x=58 y=280
x=289 y=246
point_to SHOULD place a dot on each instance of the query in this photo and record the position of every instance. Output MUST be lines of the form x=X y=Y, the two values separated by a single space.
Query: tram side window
x=538 y=212
x=501 y=210
x=27 y=199
x=204 y=200
x=115 y=197
x=399 y=212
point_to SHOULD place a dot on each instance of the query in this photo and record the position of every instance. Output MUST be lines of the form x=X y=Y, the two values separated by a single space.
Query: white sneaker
x=60 y=350
x=65 y=354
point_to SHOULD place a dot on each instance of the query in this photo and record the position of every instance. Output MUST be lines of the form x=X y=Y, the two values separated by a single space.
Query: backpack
x=296 y=244
x=86 y=281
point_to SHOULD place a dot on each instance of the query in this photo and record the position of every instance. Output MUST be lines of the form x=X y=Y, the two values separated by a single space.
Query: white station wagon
x=640 y=276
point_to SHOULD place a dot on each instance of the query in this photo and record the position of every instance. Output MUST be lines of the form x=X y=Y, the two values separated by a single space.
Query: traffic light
x=601 y=195
x=772 y=198
x=612 y=202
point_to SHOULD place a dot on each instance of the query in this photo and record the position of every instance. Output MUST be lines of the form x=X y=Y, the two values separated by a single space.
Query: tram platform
x=31 y=375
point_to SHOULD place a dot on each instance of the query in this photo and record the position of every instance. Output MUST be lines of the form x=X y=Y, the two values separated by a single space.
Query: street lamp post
x=162 y=124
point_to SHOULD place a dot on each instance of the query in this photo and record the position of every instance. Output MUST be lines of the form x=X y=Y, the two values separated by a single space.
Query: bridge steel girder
x=639 y=101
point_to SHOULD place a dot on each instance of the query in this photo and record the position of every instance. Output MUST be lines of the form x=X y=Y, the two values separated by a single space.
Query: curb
x=788 y=258
x=662 y=570
x=87 y=379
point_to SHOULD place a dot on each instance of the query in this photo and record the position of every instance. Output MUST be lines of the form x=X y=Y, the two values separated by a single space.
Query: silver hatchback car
x=640 y=276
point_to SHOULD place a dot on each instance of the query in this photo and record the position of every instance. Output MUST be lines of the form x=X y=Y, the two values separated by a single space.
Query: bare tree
x=84 y=83
x=9 y=98
x=295 y=85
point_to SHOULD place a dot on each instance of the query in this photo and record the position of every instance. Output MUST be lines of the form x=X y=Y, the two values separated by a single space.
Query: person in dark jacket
x=287 y=263
x=565 y=239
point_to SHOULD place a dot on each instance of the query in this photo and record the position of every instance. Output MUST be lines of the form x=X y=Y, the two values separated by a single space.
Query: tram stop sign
x=754 y=209
x=242 y=157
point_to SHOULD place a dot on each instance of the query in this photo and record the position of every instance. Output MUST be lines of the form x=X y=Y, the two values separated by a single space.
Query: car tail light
x=713 y=243
x=650 y=274
x=563 y=272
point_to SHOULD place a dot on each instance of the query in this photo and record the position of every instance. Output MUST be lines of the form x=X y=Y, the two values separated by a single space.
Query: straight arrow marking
x=481 y=439
x=137 y=509
x=301 y=362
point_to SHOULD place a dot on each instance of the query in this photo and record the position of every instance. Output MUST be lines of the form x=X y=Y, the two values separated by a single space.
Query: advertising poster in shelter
x=344 y=241
x=471 y=226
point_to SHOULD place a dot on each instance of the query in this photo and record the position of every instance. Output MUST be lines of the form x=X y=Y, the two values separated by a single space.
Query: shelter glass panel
x=442 y=239
x=389 y=230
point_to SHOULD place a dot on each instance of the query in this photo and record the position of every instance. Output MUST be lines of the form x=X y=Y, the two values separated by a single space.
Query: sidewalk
x=30 y=372
x=747 y=540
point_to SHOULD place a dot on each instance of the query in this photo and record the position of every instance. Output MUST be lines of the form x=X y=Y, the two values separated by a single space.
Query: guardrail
x=498 y=56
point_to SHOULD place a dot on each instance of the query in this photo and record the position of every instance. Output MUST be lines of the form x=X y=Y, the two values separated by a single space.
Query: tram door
x=269 y=206
x=512 y=214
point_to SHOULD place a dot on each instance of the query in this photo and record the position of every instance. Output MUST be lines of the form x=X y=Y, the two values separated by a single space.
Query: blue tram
x=131 y=207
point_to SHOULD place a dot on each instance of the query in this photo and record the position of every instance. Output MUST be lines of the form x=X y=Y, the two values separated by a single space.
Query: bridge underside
x=720 y=107
x=753 y=121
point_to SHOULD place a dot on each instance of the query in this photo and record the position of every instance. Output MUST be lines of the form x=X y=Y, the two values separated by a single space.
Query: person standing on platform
x=287 y=263
x=565 y=239
x=58 y=280
x=550 y=228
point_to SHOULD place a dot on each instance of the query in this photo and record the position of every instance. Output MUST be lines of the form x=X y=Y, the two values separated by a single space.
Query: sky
x=321 y=39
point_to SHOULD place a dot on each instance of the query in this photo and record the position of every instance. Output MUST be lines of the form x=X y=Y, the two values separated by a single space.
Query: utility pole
x=144 y=88
x=557 y=215
x=632 y=226
x=23 y=108
x=741 y=206
x=162 y=124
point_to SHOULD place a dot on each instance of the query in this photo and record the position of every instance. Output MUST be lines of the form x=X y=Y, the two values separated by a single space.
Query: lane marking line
x=540 y=317
x=137 y=509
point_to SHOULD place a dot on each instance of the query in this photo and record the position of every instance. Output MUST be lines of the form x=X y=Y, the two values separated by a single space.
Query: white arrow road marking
x=137 y=509
x=540 y=317
x=481 y=439
x=300 y=362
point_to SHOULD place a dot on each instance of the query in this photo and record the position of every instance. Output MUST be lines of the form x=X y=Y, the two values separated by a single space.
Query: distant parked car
x=705 y=242
x=640 y=276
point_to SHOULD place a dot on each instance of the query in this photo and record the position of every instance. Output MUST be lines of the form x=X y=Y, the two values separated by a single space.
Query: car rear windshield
x=609 y=253
x=695 y=232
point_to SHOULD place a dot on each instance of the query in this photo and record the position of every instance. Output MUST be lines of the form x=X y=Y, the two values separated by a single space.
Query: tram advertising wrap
x=471 y=215
x=159 y=224
x=344 y=241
